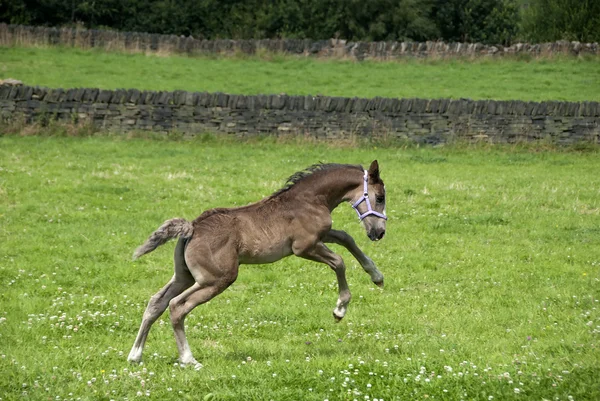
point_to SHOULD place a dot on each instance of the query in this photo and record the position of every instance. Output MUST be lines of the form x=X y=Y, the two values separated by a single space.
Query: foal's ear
x=374 y=171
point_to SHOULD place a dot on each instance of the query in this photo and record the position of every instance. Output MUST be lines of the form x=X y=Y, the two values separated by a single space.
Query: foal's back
x=260 y=233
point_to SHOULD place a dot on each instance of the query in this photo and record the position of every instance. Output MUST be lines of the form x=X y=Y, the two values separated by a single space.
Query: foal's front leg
x=320 y=253
x=344 y=239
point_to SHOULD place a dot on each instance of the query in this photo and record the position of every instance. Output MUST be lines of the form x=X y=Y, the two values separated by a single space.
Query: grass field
x=491 y=264
x=569 y=79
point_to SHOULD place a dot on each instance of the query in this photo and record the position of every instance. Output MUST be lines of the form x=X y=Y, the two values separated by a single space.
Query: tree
x=485 y=21
x=550 y=20
x=36 y=12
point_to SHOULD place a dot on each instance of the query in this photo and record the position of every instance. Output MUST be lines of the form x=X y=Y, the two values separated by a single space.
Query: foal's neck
x=336 y=187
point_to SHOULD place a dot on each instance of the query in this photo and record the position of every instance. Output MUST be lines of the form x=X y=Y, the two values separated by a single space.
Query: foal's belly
x=265 y=253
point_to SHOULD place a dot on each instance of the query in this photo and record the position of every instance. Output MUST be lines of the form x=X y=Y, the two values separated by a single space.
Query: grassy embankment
x=572 y=79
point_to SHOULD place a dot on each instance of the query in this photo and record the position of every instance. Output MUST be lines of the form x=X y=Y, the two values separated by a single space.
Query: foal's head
x=370 y=203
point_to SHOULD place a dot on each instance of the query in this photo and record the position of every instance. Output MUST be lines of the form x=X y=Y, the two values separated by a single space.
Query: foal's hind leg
x=344 y=239
x=181 y=280
x=183 y=304
x=320 y=253
x=214 y=269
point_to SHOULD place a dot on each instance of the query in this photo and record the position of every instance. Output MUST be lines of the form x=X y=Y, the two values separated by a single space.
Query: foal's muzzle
x=375 y=235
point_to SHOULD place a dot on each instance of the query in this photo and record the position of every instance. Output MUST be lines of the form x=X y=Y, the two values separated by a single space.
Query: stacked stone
x=145 y=42
x=430 y=121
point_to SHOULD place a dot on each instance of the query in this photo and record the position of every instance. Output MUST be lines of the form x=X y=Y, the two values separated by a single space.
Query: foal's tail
x=170 y=229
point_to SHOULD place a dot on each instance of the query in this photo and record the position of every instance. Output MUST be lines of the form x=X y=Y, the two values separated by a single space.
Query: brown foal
x=294 y=220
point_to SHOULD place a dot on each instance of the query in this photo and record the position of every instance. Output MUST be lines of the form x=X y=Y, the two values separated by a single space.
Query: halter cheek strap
x=365 y=198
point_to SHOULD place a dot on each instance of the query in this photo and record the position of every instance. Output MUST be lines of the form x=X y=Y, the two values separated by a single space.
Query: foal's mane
x=299 y=176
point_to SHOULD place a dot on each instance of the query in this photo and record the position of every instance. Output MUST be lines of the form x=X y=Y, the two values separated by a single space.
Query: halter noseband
x=365 y=198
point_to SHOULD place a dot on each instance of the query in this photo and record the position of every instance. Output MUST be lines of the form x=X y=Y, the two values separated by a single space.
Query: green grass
x=572 y=79
x=490 y=258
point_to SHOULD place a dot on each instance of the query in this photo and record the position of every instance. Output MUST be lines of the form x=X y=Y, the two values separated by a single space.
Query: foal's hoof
x=337 y=318
x=379 y=284
x=134 y=356
x=190 y=363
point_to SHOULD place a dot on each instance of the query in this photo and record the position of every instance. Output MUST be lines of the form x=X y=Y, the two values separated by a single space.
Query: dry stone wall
x=419 y=120
x=144 y=42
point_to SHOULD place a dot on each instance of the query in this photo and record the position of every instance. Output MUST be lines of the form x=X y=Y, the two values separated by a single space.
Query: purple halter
x=365 y=198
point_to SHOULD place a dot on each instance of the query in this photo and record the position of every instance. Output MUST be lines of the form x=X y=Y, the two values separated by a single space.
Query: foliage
x=385 y=20
x=490 y=258
x=485 y=21
x=502 y=79
x=490 y=21
x=550 y=20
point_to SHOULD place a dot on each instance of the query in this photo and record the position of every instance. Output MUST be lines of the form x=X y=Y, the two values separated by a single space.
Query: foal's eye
x=380 y=199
